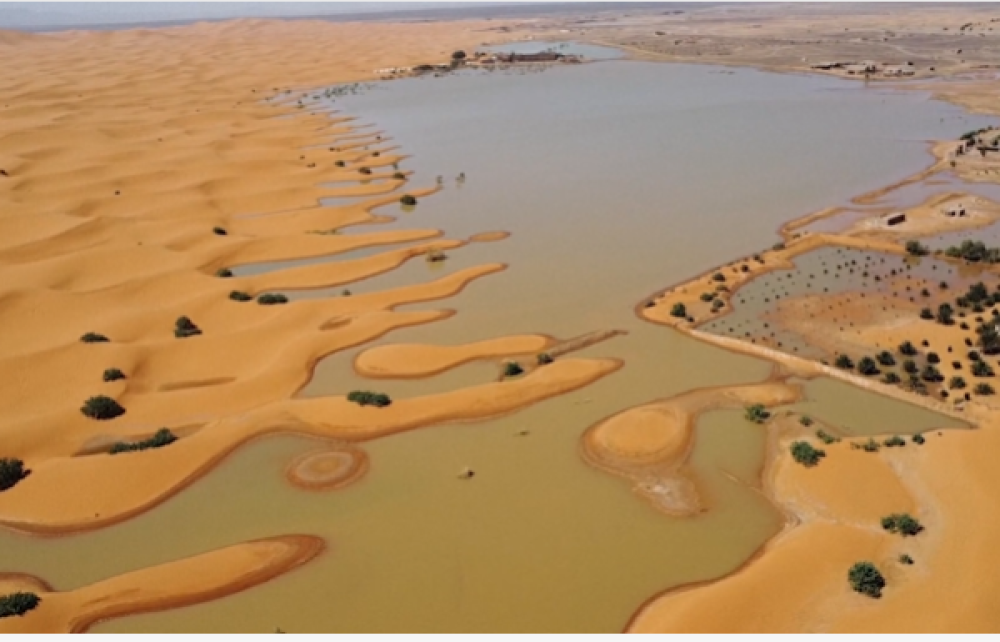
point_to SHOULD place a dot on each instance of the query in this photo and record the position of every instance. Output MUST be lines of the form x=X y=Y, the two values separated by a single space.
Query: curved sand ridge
x=798 y=582
x=168 y=586
x=422 y=360
x=650 y=444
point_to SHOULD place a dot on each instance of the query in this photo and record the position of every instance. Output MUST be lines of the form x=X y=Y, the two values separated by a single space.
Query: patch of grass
x=512 y=369
x=102 y=408
x=113 y=374
x=805 y=454
x=866 y=579
x=185 y=327
x=18 y=603
x=271 y=298
x=901 y=523
x=93 y=337
x=756 y=413
x=236 y=295
x=163 y=437
x=11 y=471
x=407 y=199
x=368 y=398
x=224 y=273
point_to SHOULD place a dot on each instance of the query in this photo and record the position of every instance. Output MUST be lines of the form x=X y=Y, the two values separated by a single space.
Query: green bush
x=843 y=361
x=945 y=314
x=870 y=446
x=926 y=314
x=220 y=231
x=956 y=383
x=868 y=367
x=919 y=439
x=984 y=389
x=236 y=295
x=805 y=420
x=932 y=357
x=102 y=408
x=894 y=442
x=224 y=273
x=866 y=579
x=805 y=454
x=272 y=299
x=891 y=377
x=163 y=437
x=756 y=413
x=512 y=369
x=17 y=603
x=93 y=337
x=914 y=248
x=931 y=374
x=719 y=276
x=901 y=523
x=910 y=366
x=885 y=358
x=113 y=374
x=368 y=398
x=545 y=358
x=399 y=176
x=981 y=369
x=11 y=472
x=408 y=200
x=678 y=311
x=707 y=296
x=184 y=327
x=907 y=348
x=905 y=559
x=826 y=437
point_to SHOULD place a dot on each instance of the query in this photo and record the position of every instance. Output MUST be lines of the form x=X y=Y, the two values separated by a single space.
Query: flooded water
x=616 y=179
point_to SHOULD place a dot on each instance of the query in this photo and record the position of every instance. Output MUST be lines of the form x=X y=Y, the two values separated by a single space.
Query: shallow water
x=616 y=179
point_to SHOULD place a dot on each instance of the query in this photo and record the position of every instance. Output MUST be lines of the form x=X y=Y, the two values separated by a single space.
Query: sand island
x=234 y=300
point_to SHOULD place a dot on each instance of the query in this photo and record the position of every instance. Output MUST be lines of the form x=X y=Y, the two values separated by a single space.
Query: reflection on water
x=615 y=179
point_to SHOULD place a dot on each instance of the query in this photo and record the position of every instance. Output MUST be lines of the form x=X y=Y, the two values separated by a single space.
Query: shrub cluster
x=894 y=442
x=102 y=408
x=17 y=603
x=272 y=299
x=113 y=374
x=805 y=454
x=826 y=437
x=914 y=248
x=184 y=327
x=11 y=472
x=901 y=523
x=757 y=413
x=236 y=295
x=220 y=231
x=512 y=369
x=866 y=579
x=224 y=273
x=163 y=437
x=407 y=199
x=678 y=310
x=368 y=398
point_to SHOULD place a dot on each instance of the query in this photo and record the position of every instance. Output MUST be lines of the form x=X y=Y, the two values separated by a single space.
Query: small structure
x=898 y=70
x=895 y=219
x=955 y=211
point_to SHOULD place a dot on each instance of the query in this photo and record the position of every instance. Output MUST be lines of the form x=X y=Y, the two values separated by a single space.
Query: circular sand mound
x=328 y=469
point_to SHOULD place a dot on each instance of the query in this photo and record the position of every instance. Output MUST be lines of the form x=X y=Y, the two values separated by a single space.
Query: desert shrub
x=931 y=374
x=271 y=298
x=184 y=327
x=777 y=247
x=844 y=361
x=718 y=303
x=407 y=199
x=945 y=314
x=866 y=579
x=545 y=358
x=901 y=523
x=956 y=383
x=719 y=276
x=806 y=420
x=368 y=398
x=868 y=367
x=162 y=437
x=339 y=163
x=805 y=454
x=919 y=439
x=399 y=176
x=907 y=348
x=826 y=437
x=981 y=369
x=974 y=356
x=224 y=273
x=219 y=231
x=364 y=170
x=756 y=413
x=910 y=366
x=11 y=472
x=905 y=559
x=926 y=314
x=894 y=442
x=113 y=374
x=891 y=377
x=512 y=369
x=102 y=408
x=678 y=311
x=707 y=296
x=983 y=389
x=236 y=295
x=932 y=357
x=17 y=603
x=914 y=248
x=870 y=446
x=93 y=337
x=885 y=358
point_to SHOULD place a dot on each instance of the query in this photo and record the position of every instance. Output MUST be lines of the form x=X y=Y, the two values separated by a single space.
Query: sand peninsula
x=139 y=167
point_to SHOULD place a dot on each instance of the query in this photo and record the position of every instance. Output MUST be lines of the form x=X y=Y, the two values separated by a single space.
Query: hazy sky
x=25 y=14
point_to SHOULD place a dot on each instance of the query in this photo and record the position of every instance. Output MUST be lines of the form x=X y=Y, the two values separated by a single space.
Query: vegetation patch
x=512 y=369
x=894 y=442
x=407 y=199
x=93 y=337
x=545 y=358
x=219 y=231
x=756 y=413
x=17 y=603
x=11 y=472
x=113 y=374
x=163 y=437
x=236 y=295
x=184 y=327
x=866 y=579
x=913 y=248
x=805 y=454
x=901 y=523
x=806 y=420
x=368 y=398
x=102 y=408
x=826 y=437
x=272 y=299
x=678 y=310
x=224 y=273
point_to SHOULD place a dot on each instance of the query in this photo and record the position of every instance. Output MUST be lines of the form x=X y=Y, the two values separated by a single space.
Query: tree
x=885 y=358
x=17 y=603
x=757 y=413
x=981 y=369
x=102 y=408
x=113 y=374
x=984 y=389
x=926 y=314
x=184 y=327
x=11 y=472
x=989 y=338
x=93 y=337
x=843 y=361
x=368 y=398
x=678 y=311
x=902 y=523
x=944 y=314
x=512 y=369
x=867 y=367
x=866 y=579
x=805 y=454
x=907 y=349
x=956 y=383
